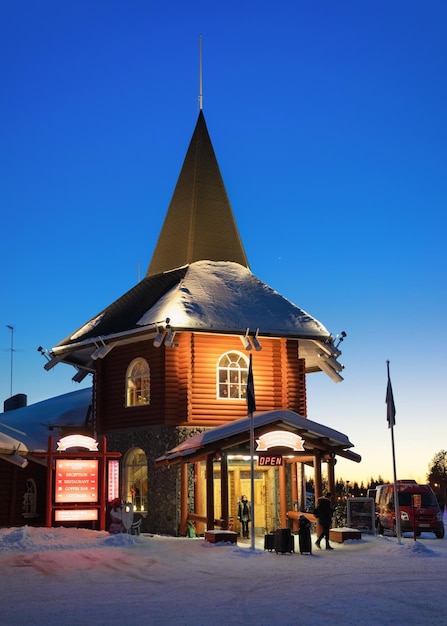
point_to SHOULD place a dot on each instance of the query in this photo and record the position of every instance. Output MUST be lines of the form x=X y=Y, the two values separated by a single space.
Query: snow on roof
x=30 y=426
x=227 y=297
x=308 y=429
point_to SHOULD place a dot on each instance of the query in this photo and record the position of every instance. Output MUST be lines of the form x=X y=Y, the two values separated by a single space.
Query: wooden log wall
x=183 y=382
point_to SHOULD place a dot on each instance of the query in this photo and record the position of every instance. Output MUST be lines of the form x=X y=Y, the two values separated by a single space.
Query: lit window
x=135 y=478
x=137 y=383
x=232 y=372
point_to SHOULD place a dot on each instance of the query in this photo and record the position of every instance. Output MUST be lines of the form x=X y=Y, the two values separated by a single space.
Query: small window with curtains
x=232 y=372
x=137 y=383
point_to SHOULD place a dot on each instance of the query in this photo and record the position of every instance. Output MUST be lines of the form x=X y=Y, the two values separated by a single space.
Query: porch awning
x=317 y=437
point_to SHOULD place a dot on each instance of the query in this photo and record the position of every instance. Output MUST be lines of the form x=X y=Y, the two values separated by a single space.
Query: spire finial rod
x=200 y=74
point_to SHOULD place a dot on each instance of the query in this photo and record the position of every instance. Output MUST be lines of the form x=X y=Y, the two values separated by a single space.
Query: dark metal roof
x=199 y=223
x=123 y=314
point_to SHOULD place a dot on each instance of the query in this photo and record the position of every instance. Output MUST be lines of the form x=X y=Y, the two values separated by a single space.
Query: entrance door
x=259 y=506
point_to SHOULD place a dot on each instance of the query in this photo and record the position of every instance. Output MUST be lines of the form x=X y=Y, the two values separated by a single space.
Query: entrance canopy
x=317 y=438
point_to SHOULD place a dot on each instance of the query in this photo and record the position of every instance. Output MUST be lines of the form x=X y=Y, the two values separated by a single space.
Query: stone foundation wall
x=163 y=515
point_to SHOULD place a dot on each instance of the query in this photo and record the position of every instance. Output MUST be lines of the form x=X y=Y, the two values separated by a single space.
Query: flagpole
x=251 y=407
x=391 y=413
x=252 y=480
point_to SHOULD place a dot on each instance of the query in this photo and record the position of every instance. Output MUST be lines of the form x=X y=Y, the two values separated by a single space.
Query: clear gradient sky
x=329 y=123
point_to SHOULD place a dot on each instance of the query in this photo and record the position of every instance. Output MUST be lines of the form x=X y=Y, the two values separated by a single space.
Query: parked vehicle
x=418 y=507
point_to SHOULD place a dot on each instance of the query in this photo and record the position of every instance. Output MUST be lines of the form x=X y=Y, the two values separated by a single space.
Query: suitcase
x=305 y=541
x=284 y=541
x=269 y=542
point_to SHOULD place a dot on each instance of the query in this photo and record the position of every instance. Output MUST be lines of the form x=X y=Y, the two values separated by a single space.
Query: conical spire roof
x=199 y=224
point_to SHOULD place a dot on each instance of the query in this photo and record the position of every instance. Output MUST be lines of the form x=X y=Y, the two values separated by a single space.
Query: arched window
x=30 y=499
x=232 y=371
x=135 y=478
x=137 y=383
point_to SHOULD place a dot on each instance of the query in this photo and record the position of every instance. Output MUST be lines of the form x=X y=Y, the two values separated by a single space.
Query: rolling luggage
x=269 y=542
x=284 y=541
x=304 y=539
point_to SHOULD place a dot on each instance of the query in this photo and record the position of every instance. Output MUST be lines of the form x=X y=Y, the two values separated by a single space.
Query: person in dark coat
x=324 y=512
x=244 y=515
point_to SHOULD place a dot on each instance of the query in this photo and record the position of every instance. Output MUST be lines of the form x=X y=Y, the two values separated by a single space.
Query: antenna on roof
x=200 y=73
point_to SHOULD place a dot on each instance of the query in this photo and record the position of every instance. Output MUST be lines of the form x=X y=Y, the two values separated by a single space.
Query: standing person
x=323 y=512
x=244 y=515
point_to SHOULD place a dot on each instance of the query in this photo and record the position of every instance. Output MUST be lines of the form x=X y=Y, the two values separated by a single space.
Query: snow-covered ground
x=74 y=576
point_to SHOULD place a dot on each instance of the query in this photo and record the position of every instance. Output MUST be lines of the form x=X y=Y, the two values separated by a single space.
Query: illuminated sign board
x=76 y=515
x=113 y=484
x=77 y=441
x=280 y=439
x=76 y=481
x=271 y=460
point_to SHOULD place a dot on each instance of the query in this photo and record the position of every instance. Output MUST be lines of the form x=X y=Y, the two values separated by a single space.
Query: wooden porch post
x=209 y=492
x=224 y=490
x=198 y=496
x=318 y=485
x=183 y=498
x=301 y=482
x=331 y=476
x=282 y=496
x=294 y=473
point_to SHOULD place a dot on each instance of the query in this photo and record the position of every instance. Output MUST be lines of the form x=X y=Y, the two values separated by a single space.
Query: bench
x=339 y=535
x=218 y=536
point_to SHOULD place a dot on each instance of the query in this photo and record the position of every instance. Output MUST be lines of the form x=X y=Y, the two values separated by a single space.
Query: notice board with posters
x=361 y=514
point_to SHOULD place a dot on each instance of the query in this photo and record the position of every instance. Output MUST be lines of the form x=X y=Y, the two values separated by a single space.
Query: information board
x=76 y=481
x=361 y=514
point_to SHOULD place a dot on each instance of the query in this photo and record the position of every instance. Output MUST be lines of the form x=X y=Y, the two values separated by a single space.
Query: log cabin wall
x=183 y=382
x=279 y=379
x=111 y=410
x=12 y=494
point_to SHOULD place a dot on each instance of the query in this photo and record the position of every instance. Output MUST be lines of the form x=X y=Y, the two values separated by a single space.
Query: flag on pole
x=390 y=406
x=250 y=393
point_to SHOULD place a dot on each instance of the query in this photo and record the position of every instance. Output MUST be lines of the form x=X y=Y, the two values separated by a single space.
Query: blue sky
x=328 y=122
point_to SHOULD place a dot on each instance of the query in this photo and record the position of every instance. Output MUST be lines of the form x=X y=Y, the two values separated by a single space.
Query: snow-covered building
x=169 y=361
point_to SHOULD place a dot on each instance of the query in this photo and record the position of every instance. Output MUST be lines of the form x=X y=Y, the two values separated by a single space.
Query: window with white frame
x=232 y=372
x=137 y=383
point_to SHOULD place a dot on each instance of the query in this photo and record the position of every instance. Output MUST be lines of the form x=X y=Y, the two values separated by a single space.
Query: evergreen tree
x=437 y=476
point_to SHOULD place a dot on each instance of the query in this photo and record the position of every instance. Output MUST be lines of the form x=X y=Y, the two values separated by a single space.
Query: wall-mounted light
x=250 y=342
x=255 y=341
x=169 y=339
x=101 y=352
x=338 y=367
x=159 y=337
x=166 y=335
x=245 y=340
x=328 y=348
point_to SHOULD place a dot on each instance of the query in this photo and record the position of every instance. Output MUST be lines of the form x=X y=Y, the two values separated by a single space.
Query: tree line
x=436 y=478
